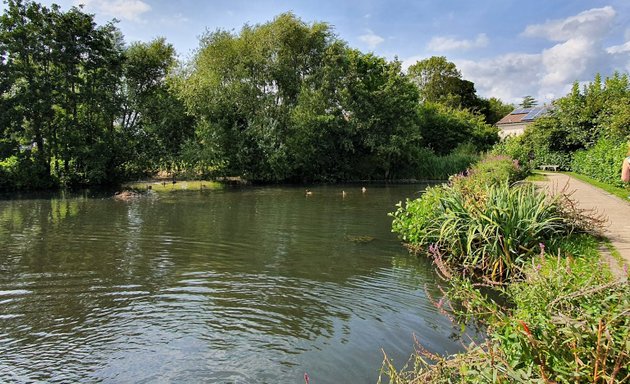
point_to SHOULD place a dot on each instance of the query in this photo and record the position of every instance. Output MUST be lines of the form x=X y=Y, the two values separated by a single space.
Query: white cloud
x=508 y=77
x=592 y=24
x=576 y=53
x=371 y=39
x=174 y=20
x=615 y=49
x=120 y=9
x=440 y=43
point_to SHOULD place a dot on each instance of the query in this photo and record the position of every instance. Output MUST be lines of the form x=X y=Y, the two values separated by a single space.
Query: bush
x=21 y=172
x=601 y=162
x=566 y=322
x=481 y=223
x=493 y=170
x=486 y=235
x=513 y=147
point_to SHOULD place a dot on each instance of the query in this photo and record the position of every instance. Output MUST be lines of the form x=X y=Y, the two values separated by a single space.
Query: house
x=514 y=124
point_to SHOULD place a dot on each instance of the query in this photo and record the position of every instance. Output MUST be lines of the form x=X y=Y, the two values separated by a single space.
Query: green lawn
x=536 y=176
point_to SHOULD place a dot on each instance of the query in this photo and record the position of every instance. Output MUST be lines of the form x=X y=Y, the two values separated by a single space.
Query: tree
x=528 y=102
x=62 y=72
x=439 y=81
x=444 y=128
x=242 y=89
x=154 y=120
x=494 y=109
x=288 y=101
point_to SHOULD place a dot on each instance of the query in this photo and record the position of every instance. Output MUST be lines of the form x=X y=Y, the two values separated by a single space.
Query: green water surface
x=235 y=285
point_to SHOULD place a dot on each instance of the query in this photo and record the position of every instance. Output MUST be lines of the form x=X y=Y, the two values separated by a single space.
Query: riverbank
x=562 y=316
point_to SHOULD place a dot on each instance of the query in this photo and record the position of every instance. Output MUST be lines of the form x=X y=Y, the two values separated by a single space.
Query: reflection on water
x=236 y=285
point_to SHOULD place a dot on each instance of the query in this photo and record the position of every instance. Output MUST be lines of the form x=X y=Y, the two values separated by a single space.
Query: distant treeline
x=281 y=101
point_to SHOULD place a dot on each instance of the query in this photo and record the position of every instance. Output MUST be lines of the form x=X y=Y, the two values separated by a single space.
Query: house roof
x=512 y=118
x=524 y=115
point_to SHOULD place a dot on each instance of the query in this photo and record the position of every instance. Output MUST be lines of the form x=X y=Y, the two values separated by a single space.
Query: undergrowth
x=561 y=318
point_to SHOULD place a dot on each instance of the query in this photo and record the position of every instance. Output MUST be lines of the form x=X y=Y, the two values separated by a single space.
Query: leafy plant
x=565 y=322
x=480 y=222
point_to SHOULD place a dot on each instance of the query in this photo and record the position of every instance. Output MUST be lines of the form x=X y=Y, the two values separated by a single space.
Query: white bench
x=547 y=167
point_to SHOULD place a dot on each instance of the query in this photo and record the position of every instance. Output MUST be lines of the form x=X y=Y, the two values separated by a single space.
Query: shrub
x=601 y=162
x=513 y=147
x=566 y=322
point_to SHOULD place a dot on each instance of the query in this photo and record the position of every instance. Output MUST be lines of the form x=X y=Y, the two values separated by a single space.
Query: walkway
x=611 y=207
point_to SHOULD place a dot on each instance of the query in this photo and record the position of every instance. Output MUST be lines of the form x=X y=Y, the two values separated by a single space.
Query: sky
x=509 y=49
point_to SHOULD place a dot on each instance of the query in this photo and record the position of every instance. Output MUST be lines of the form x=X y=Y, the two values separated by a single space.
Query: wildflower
x=525 y=327
x=306 y=378
x=538 y=268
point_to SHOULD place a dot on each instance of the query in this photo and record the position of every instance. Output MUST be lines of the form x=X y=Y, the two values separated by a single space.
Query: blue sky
x=509 y=49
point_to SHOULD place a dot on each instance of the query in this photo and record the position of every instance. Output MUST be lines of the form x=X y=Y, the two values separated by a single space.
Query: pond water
x=237 y=285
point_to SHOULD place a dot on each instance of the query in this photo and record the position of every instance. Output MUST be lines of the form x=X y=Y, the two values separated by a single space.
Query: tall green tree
x=242 y=88
x=154 y=121
x=439 y=81
x=494 y=109
x=288 y=101
x=61 y=71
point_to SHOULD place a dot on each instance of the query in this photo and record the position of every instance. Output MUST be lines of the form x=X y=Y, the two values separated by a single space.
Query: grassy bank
x=620 y=192
x=562 y=318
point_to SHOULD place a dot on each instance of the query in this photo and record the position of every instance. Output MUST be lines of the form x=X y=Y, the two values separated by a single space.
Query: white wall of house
x=513 y=129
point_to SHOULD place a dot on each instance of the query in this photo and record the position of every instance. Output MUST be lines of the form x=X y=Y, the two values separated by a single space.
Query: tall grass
x=433 y=167
x=566 y=322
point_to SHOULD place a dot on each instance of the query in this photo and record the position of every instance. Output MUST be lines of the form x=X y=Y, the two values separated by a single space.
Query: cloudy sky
x=508 y=48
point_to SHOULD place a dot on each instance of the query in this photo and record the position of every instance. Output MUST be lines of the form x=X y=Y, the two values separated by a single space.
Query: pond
x=234 y=285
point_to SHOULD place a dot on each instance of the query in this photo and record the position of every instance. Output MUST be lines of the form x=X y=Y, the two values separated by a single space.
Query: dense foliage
x=586 y=131
x=602 y=161
x=481 y=223
x=280 y=101
x=565 y=322
x=560 y=318
x=289 y=101
x=77 y=106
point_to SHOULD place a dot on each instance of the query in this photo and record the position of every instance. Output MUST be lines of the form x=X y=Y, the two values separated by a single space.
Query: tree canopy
x=279 y=101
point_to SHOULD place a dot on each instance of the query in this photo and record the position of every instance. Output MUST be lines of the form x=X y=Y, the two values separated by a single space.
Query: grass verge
x=536 y=176
x=622 y=193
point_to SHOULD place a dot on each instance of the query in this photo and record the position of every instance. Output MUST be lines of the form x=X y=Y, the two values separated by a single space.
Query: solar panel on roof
x=520 y=110
x=536 y=113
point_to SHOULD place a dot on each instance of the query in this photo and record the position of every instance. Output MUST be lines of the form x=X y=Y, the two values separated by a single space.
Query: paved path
x=611 y=207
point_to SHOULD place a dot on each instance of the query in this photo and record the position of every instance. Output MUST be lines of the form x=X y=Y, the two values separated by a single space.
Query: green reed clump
x=434 y=167
x=480 y=222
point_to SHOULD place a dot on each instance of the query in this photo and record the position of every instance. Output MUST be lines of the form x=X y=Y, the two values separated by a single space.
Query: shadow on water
x=229 y=285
